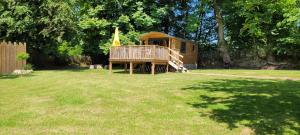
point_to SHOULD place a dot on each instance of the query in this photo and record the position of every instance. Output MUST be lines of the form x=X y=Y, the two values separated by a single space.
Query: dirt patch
x=247 y=131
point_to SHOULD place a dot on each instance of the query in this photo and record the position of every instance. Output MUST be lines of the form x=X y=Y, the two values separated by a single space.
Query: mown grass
x=272 y=73
x=95 y=102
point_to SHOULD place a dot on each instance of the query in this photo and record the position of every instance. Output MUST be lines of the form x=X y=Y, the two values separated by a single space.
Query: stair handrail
x=177 y=53
x=175 y=58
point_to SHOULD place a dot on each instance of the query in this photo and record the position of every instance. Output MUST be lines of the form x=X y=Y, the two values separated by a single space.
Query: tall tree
x=265 y=30
x=59 y=29
x=222 y=43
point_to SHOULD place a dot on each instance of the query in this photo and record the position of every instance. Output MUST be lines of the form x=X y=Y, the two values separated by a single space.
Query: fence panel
x=8 y=56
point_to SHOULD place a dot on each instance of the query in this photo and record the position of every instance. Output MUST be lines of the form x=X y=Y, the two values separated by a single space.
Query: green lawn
x=273 y=73
x=95 y=102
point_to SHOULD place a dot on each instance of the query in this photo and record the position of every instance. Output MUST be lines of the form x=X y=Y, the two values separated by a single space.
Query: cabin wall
x=175 y=44
x=190 y=57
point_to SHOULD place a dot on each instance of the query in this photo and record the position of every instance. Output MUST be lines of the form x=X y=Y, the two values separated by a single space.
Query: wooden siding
x=190 y=56
x=8 y=56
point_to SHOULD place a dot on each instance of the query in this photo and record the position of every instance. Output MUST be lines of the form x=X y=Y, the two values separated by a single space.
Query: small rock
x=99 y=67
x=22 y=72
x=92 y=66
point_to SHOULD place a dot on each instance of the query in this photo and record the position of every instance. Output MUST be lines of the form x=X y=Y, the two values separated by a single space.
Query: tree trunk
x=223 y=47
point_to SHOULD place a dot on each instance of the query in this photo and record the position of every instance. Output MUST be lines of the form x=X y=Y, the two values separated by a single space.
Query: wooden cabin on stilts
x=159 y=49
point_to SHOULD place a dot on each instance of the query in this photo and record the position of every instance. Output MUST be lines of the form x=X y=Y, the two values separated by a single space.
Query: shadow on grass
x=77 y=69
x=12 y=76
x=126 y=72
x=135 y=72
x=268 y=107
x=70 y=69
x=8 y=76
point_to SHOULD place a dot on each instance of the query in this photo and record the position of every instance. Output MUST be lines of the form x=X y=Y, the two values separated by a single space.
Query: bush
x=27 y=67
x=22 y=56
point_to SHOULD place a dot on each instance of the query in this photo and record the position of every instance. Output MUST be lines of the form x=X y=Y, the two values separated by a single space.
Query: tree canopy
x=263 y=29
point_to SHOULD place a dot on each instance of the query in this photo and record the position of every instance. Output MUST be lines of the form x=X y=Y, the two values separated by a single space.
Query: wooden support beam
x=131 y=67
x=110 y=67
x=143 y=68
x=153 y=68
x=169 y=45
x=126 y=68
x=167 y=68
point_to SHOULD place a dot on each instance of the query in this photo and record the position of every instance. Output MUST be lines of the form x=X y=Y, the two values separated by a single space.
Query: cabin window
x=159 y=41
x=193 y=48
x=183 y=47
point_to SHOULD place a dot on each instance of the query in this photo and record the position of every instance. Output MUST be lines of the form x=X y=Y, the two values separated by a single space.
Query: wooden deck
x=140 y=54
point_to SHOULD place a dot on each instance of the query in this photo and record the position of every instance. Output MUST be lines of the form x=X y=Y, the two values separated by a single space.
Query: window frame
x=183 y=48
x=193 y=48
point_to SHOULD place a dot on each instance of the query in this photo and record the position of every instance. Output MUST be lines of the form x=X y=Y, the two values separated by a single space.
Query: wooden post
x=167 y=69
x=153 y=68
x=1 y=58
x=131 y=67
x=169 y=43
x=143 y=68
x=110 y=67
x=130 y=52
x=125 y=66
x=110 y=55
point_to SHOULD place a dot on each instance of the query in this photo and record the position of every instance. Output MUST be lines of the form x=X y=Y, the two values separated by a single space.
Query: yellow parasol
x=116 y=41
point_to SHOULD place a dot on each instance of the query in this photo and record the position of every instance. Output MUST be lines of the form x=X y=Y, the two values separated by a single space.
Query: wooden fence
x=8 y=56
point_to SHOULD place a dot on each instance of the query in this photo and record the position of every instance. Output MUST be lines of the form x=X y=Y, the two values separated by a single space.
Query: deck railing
x=139 y=52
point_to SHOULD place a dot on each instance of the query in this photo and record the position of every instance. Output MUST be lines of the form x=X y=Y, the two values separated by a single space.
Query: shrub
x=22 y=56
x=27 y=67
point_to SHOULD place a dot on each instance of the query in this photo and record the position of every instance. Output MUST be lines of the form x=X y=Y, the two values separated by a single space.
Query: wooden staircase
x=175 y=61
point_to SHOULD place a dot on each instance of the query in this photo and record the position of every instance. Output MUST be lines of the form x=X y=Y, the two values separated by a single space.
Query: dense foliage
x=54 y=30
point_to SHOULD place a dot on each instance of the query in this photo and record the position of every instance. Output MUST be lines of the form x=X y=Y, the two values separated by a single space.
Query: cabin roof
x=154 y=34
